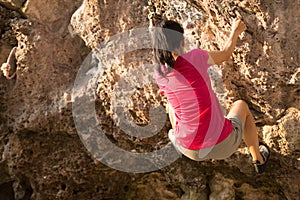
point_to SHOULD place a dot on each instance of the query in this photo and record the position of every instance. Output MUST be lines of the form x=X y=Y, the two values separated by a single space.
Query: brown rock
x=285 y=136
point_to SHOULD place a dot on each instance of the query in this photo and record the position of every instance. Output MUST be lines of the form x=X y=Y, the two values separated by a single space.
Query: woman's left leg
x=171 y=112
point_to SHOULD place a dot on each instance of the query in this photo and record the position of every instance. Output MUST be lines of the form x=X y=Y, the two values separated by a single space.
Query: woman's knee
x=241 y=104
x=240 y=108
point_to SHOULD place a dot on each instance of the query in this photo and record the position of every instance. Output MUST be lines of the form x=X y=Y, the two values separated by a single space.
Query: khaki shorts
x=220 y=151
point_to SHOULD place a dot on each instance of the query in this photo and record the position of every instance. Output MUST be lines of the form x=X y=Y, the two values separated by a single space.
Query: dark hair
x=168 y=36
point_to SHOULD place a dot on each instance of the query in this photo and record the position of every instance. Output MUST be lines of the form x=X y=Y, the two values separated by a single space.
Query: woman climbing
x=199 y=129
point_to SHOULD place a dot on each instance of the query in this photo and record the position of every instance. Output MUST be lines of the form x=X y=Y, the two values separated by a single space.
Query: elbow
x=219 y=57
x=224 y=56
x=227 y=55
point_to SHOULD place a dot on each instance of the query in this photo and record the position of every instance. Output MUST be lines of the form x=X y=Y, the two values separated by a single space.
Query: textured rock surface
x=42 y=155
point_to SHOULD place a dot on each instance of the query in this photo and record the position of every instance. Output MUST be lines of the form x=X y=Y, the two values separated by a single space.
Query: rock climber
x=200 y=130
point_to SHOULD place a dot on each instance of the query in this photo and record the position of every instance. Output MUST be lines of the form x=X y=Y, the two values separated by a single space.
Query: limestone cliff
x=44 y=157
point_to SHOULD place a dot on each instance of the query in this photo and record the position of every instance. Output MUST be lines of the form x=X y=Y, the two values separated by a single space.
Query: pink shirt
x=200 y=122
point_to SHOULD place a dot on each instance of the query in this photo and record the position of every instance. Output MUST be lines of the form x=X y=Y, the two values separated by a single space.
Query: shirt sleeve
x=161 y=82
x=201 y=58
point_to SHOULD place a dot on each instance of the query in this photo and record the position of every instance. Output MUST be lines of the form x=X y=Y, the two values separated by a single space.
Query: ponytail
x=168 y=36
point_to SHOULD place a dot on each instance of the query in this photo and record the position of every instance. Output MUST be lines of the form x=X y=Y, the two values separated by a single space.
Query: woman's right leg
x=250 y=133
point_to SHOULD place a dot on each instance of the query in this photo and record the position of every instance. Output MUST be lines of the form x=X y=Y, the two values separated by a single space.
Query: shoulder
x=199 y=51
x=196 y=52
x=199 y=55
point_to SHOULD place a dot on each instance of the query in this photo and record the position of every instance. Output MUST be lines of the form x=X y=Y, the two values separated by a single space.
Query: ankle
x=260 y=159
x=256 y=156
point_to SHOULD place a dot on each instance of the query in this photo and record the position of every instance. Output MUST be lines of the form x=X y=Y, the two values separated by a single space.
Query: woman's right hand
x=238 y=26
x=217 y=57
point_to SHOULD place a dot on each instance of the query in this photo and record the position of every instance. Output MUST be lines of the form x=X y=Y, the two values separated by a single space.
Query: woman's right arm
x=217 y=57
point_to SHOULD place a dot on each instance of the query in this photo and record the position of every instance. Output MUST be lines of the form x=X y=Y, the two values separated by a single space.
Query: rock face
x=43 y=157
